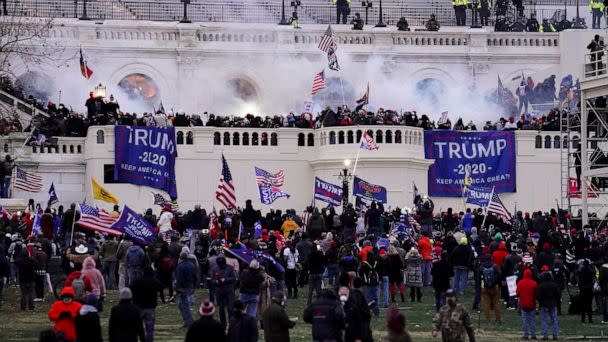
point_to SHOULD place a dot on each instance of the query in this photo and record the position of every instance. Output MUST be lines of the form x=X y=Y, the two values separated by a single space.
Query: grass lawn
x=25 y=326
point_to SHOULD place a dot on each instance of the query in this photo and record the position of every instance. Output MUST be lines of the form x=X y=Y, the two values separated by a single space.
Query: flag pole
x=342 y=87
x=73 y=222
x=485 y=213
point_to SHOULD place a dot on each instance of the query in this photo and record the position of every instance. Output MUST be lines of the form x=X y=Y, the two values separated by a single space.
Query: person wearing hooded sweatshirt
x=425 y=247
x=63 y=312
x=243 y=328
x=206 y=328
x=461 y=258
x=125 y=323
x=326 y=316
x=526 y=291
x=98 y=284
x=88 y=327
x=548 y=295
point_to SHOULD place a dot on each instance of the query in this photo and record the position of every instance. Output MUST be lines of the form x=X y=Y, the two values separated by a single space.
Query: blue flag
x=257 y=230
x=53 y=195
x=135 y=226
x=246 y=256
x=146 y=156
x=328 y=192
x=478 y=195
x=36 y=227
x=368 y=191
x=269 y=185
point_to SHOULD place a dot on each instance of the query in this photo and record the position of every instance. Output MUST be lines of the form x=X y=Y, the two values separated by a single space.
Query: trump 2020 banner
x=135 y=226
x=487 y=157
x=478 y=195
x=328 y=192
x=368 y=191
x=146 y=156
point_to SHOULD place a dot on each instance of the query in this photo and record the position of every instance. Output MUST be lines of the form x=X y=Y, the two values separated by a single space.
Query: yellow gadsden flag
x=102 y=194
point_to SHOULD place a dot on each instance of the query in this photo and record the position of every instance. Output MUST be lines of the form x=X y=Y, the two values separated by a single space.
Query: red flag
x=84 y=68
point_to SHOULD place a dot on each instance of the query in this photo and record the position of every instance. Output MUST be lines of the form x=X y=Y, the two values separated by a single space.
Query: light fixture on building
x=100 y=91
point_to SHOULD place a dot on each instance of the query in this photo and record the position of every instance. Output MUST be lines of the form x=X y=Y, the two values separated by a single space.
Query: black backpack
x=489 y=276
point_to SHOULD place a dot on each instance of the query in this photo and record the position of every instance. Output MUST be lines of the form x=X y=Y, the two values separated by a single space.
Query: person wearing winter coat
x=136 y=261
x=442 y=271
x=88 y=327
x=206 y=328
x=326 y=316
x=548 y=295
x=425 y=247
x=164 y=223
x=413 y=265
x=243 y=328
x=145 y=292
x=121 y=256
x=461 y=258
x=371 y=281
x=490 y=276
x=395 y=273
x=27 y=275
x=603 y=282
x=63 y=313
x=526 y=291
x=108 y=252
x=98 y=284
x=125 y=323
x=316 y=225
x=185 y=283
x=396 y=327
x=223 y=278
x=586 y=278
x=356 y=315
x=251 y=280
x=275 y=320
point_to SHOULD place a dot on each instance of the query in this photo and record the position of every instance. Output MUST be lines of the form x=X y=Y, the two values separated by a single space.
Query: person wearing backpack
x=369 y=274
x=490 y=277
x=136 y=262
x=80 y=284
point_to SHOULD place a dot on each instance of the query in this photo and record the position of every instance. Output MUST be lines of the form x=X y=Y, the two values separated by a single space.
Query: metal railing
x=416 y=13
x=595 y=63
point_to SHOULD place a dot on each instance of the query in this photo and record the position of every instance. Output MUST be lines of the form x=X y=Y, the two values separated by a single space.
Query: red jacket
x=64 y=323
x=424 y=245
x=526 y=291
x=499 y=255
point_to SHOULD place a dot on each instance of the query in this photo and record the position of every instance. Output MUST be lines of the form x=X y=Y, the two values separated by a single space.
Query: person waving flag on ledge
x=367 y=142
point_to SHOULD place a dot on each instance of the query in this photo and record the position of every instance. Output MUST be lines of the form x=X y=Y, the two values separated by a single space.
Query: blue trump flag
x=135 y=226
x=478 y=195
x=146 y=156
x=53 y=195
x=328 y=192
x=368 y=191
x=488 y=158
x=247 y=255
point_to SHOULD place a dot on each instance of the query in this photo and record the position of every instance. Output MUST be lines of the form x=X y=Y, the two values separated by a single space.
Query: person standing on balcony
x=343 y=9
x=596 y=7
x=460 y=10
x=6 y=170
x=484 y=7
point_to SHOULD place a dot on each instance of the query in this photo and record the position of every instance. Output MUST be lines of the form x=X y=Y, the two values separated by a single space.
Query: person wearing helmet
x=63 y=312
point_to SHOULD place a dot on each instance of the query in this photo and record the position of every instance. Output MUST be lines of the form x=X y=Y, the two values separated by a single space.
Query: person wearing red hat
x=63 y=312
x=206 y=328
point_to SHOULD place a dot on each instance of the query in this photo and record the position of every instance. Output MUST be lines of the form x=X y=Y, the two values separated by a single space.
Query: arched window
x=538 y=142
x=64 y=149
x=301 y=139
x=235 y=139
x=389 y=137
x=359 y=134
x=557 y=142
x=350 y=137
x=547 y=141
x=274 y=139
x=101 y=137
x=311 y=139
x=379 y=137
x=370 y=133
x=189 y=138
x=245 y=139
x=71 y=148
x=332 y=138
x=217 y=140
x=341 y=137
x=78 y=149
x=255 y=141
x=264 y=139
x=398 y=137
x=180 y=138
x=565 y=142
x=226 y=138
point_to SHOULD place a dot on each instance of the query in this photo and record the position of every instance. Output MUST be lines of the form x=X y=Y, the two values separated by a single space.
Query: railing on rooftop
x=596 y=63
x=416 y=13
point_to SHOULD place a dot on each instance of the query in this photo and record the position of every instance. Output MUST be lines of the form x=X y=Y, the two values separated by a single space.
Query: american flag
x=328 y=40
x=318 y=83
x=27 y=181
x=367 y=142
x=225 y=192
x=159 y=199
x=265 y=178
x=495 y=206
x=95 y=219
x=332 y=60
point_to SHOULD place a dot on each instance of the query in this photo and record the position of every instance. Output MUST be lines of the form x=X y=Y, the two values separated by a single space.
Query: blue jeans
x=528 y=322
x=333 y=272
x=149 y=318
x=372 y=293
x=5 y=186
x=545 y=314
x=385 y=292
x=426 y=272
x=459 y=283
x=184 y=301
x=109 y=273
x=225 y=301
x=440 y=299
x=251 y=301
x=133 y=274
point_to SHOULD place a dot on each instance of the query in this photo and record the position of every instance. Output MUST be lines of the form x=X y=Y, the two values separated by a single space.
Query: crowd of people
x=351 y=265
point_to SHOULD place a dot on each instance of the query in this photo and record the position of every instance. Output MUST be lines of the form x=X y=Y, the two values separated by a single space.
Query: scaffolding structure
x=584 y=146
